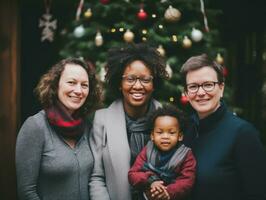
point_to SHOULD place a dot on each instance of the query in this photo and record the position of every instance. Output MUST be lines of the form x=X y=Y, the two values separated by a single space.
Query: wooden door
x=9 y=100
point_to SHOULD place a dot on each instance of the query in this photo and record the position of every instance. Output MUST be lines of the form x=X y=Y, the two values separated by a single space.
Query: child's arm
x=184 y=182
x=136 y=176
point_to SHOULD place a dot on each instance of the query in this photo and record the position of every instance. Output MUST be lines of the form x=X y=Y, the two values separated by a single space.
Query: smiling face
x=204 y=102
x=166 y=133
x=73 y=87
x=136 y=96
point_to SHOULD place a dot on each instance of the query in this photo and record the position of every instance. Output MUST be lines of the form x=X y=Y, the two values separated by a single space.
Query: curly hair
x=47 y=88
x=168 y=110
x=197 y=62
x=120 y=58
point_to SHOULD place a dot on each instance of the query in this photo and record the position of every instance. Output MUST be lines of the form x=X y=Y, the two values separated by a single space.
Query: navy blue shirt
x=231 y=160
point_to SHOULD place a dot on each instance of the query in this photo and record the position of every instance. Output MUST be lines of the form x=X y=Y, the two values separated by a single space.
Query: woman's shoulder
x=33 y=124
x=240 y=126
x=38 y=118
x=237 y=120
x=114 y=107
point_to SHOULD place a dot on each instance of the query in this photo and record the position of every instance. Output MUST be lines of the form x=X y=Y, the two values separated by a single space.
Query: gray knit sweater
x=47 y=168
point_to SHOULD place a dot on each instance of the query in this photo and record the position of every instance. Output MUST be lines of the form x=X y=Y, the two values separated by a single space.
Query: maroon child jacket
x=178 y=189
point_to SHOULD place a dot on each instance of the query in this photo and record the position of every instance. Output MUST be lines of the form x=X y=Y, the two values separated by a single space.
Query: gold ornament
x=161 y=50
x=129 y=36
x=88 y=13
x=172 y=14
x=98 y=39
x=186 y=42
x=219 y=59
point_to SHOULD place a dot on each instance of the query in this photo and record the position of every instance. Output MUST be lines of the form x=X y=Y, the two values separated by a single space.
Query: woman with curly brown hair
x=119 y=132
x=53 y=156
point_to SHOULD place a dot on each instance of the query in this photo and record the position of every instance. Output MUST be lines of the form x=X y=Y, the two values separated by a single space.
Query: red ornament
x=104 y=1
x=183 y=99
x=225 y=71
x=142 y=15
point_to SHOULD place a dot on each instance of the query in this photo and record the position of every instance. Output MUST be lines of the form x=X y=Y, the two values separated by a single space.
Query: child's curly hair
x=169 y=110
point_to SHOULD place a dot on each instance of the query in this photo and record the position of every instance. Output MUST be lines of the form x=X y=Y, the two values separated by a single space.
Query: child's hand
x=158 y=191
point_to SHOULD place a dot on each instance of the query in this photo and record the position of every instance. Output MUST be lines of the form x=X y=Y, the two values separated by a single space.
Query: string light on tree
x=174 y=38
x=128 y=36
x=98 y=39
x=171 y=99
x=172 y=14
x=79 y=31
x=196 y=35
x=186 y=43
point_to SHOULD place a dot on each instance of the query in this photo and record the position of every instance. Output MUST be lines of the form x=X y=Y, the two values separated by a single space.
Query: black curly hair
x=168 y=110
x=120 y=57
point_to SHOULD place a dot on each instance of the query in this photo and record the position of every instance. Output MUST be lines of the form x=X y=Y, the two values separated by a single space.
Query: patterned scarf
x=65 y=124
x=138 y=133
x=165 y=172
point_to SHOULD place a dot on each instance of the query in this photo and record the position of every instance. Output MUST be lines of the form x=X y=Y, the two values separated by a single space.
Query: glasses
x=206 y=86
x=132 y=79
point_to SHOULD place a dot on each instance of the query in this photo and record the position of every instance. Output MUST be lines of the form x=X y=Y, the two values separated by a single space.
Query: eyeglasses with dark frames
x=132 y=79
x=207 y=86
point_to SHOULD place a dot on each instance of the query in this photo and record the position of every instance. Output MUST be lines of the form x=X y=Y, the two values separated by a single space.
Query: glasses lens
x=131 y=79
x=192 y=88
x=208 y=86
x=145 y=79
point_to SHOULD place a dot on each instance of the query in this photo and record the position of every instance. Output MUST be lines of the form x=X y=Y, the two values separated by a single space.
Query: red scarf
x=69 y=126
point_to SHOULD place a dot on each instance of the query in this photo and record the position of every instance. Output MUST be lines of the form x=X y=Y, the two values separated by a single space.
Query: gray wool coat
x=109 y=143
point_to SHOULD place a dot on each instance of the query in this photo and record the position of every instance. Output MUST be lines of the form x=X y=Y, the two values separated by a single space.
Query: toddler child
x=165 y=168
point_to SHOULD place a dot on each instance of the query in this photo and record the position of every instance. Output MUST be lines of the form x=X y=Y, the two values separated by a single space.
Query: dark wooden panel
x=9 y=106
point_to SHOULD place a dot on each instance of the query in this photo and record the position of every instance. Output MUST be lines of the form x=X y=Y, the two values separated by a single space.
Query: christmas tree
x=177 y=28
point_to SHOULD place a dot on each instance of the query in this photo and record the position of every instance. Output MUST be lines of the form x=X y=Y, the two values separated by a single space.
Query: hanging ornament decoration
x=105 y=1
x=183 y=99
x=142 y=15
x=202 y=8
x=225 y=71
x=186 y=43
x=79 y=31
x=219 y=59
x=98 y=39
x=196 y=35
x=161 y=50
x=88 y=13
x=172 y=14
x=128 y=36
x=102 y=74
x=169 y=70
x=49 y=26
x=79 y=9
